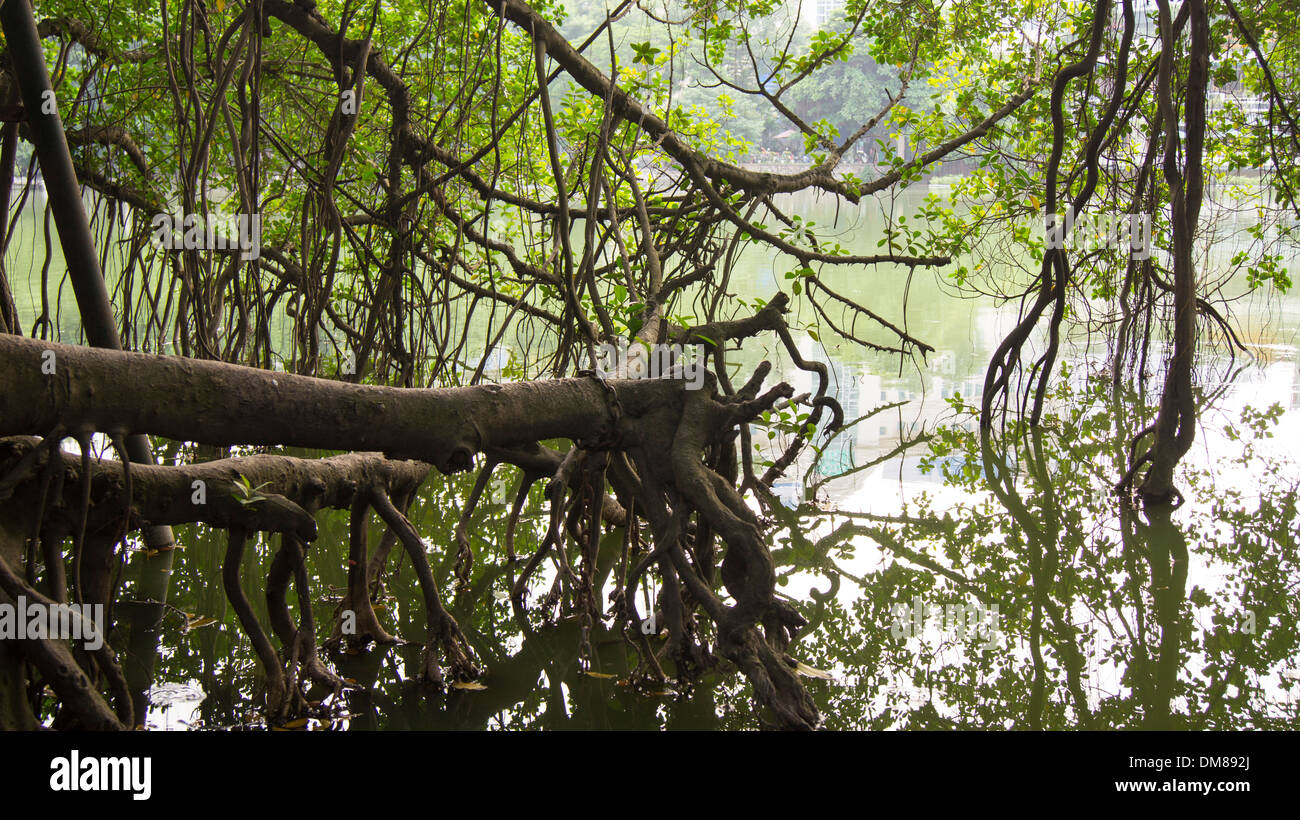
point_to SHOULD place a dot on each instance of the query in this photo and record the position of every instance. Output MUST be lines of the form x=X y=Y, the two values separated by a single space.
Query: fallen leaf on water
x=604 y=675
x=296 y=724
x=471 y=685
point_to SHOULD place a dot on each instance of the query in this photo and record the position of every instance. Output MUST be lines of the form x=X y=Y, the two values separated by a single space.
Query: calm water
x=936 y=597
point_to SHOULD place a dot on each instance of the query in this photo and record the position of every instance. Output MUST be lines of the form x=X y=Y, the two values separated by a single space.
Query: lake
x=947 y=585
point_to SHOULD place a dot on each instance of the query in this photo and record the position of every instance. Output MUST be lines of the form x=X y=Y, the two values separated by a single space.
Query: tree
x=399 y=175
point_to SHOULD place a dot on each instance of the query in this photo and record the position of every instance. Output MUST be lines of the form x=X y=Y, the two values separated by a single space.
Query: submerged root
x=361 y=626
x=776 y=684
x=441 y=629
x=277 y=701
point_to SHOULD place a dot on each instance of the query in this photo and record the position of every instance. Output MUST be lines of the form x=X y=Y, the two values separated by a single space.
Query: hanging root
x=464 y=555
x=357 y=601
x=378 y=561
x=288 y=564
x=305 y=638
x=556 y=491
x=526 y=482
x=277 y=702
x=441 y=628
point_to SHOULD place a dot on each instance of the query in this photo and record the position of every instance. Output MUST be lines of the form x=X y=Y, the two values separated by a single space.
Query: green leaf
x=645 y=53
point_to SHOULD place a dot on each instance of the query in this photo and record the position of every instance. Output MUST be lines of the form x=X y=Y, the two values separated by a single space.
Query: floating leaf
x=469 y=685
x=601 y=675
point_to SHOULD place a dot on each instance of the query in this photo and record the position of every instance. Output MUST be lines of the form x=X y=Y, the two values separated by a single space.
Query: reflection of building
x=859 y=391
x=1146 y=19
x=822 y=11
x=838 y=455
x=789 y=490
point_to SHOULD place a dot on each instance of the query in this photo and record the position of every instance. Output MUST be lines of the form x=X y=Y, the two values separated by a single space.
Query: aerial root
x=277 y=701
x=441 y=630
x=357 y=601
x=300 y=641
x=465 y=555
x=375 y=570
x=776 y=684
x=309 y=660
x=526 y=482
x=557 y=493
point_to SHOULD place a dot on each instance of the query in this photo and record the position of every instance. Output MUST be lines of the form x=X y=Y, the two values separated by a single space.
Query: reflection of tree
x=1042 y=530
x=1103 y=629
x=1102 y=626
x=1164 y=546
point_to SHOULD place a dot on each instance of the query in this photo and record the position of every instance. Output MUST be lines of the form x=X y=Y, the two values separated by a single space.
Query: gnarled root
x=277 y=702
x=441 y=628
x=357 y=600
x=776 y=684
